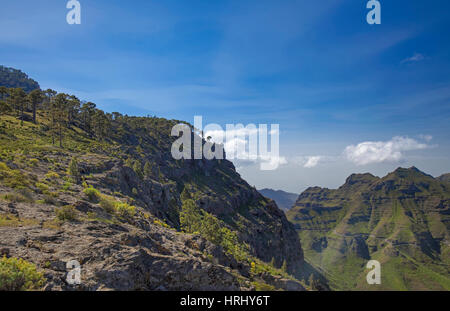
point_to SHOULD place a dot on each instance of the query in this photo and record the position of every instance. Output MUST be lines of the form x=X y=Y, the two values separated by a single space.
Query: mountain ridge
x=401 y=219
x=285 y=200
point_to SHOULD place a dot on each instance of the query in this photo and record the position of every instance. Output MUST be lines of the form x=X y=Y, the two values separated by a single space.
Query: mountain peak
x=359 y=179
x=408 y=172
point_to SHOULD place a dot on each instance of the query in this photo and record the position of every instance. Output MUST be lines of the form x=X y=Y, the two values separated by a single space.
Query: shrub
x=67 y=212
x=92 y=194
x=107 y=205
x=67 y=185
x=161 y=224
x=43 y=188
x=263 y=287
x=20 y=197
x=51 y=175
x=48 y=199
x=4 y=107
x=125 y=210
x=19 y=275
x=3 y=167
x=33 y=162
x=253 y=267
x=14 y=221
x=13 y=178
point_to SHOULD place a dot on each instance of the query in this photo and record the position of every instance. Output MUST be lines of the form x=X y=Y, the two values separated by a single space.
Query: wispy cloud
x=427 y=138
x=417 y=57
x=312 y=161
x=383 y=151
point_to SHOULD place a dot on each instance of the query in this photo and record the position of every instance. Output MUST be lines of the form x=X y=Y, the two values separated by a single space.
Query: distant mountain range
x=402 y=220
x=285 y=200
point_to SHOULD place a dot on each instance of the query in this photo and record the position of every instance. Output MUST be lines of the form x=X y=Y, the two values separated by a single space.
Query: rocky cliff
x=401 y=220
x=112 y=201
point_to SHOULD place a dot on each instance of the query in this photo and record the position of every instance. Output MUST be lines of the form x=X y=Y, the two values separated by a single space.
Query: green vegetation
x=21 y=196
x=66 y=213
x=194 y=220
x=74 y=170
x=125 y=210
x=13 y=178
x=394 y=219
x=51 y=142
x=110 y=204
x=92 y=194
x=13 y=78
x=197 y=221
x=19 y=275
x=10 y=220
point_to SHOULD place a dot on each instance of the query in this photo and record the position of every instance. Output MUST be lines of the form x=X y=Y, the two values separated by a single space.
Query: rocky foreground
x=123 y=225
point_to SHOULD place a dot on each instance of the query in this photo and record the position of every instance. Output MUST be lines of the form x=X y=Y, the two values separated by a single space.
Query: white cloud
x=382 y=151
x=237 y=146
x=417 y=57
x=312 y=162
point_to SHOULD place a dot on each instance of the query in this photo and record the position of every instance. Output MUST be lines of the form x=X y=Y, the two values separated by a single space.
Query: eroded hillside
x=103 y=189
x=401 y=220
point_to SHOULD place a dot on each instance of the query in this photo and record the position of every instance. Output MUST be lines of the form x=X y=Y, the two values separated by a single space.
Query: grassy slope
x=393 y=223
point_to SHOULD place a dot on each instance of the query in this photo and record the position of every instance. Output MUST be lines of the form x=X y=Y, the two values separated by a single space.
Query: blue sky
x=315 y=67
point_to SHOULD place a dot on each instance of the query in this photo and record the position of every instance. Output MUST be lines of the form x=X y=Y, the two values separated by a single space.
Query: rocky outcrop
x=258 y=221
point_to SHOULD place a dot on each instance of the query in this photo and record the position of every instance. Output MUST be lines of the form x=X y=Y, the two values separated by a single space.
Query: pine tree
x=147 y=170
x=185 y=194
x=272 y=262
x=129 y=163
x=137 y=168
x=284 y=266
x=60 y=115
x=87 y=112
x=190 y=217
x=3 y=92
x=72 y=109
x=210 y=229
x=311 y=279
x=74 y=170
x=35 y=98
x=17 y=100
